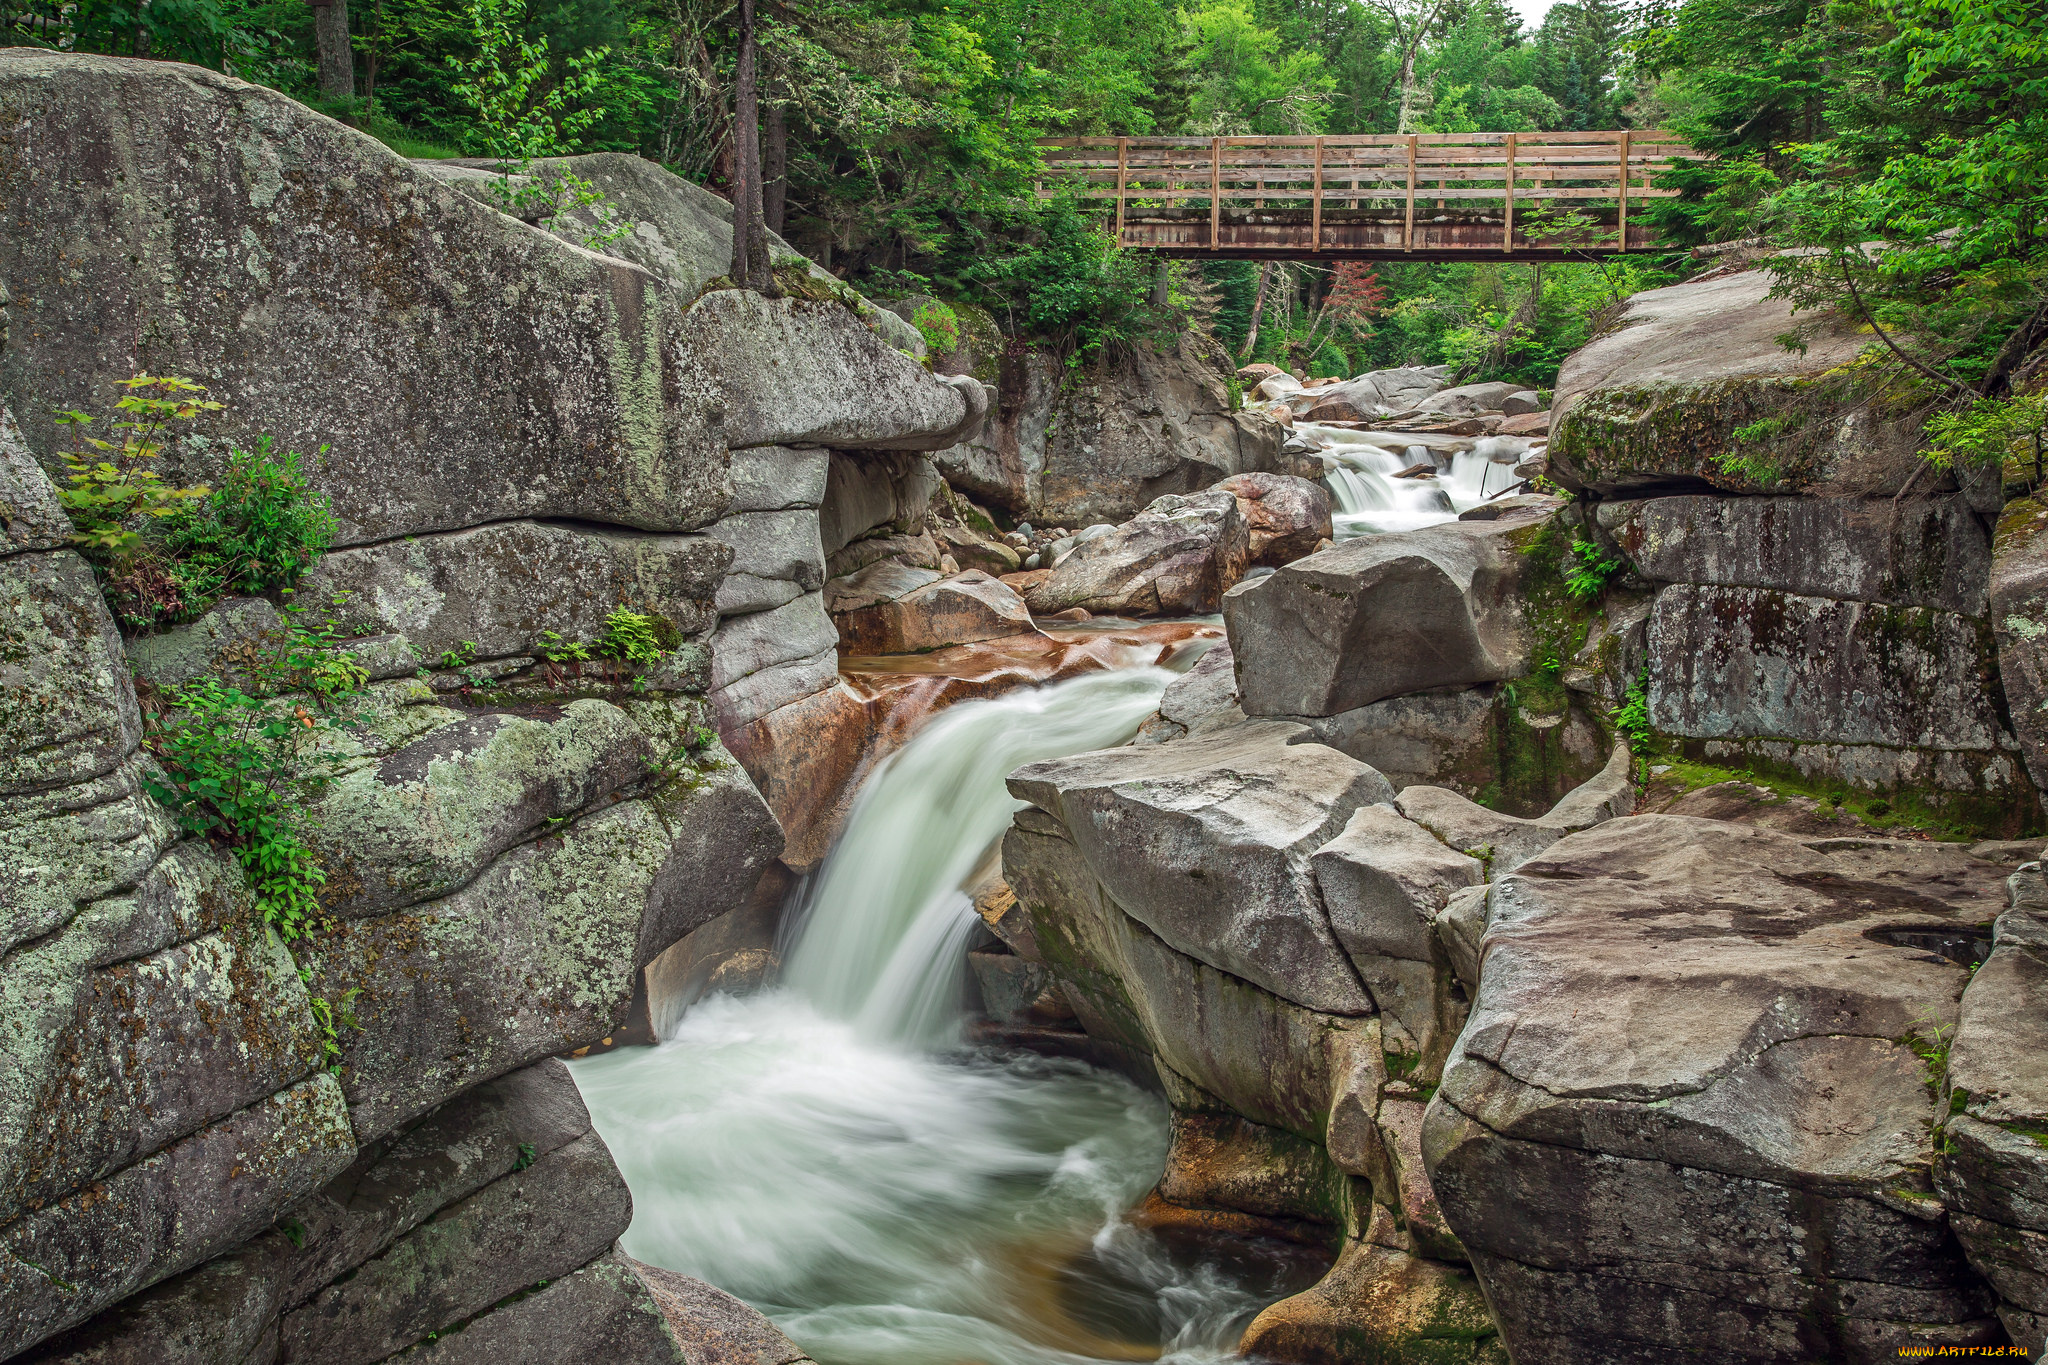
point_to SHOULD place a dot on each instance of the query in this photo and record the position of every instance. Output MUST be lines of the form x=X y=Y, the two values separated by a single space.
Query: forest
x=1895 y=151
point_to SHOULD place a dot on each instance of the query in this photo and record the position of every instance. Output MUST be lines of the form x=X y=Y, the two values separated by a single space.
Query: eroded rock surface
x=1682 y=1116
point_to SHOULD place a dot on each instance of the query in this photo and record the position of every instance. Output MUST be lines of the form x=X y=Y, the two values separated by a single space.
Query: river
x=830 y=1152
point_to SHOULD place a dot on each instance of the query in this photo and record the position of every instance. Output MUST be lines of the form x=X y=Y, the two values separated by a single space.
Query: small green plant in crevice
x=259 y=531
x=113 y=493
x=555 y=650
x=1930 y=1040
x=162 y=554
x=1632 y=718
x=232 y=758
x=631 y=637
x=525 y=1158
x=1591 y=571
x=330 y=1017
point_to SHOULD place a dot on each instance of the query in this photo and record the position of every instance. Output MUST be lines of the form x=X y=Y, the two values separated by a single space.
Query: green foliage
x=1632 y=718
x=526 y=1157
x=1990 y=432
x=1068 y=281
x=1901 y=146
x=112 y=489
x=1590 y=571
x=555 y=649
x=631 y=638
x=164 y=554
x=259 y=531
x=234 y=759
x=520 y=111
x=215 y=33
x=939 y=325
x=330 y=1017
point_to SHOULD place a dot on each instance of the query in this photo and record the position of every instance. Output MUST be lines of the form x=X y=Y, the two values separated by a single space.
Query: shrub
x=165 y=554
x=233 y=758
x=260 y=530
x=939 y=325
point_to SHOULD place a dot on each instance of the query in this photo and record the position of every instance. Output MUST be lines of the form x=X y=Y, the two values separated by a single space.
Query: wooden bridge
x=1381 y=196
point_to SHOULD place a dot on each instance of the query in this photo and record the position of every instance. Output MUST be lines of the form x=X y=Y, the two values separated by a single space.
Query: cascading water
x=883 y=933
x=886 y=1203
x=1360 y=469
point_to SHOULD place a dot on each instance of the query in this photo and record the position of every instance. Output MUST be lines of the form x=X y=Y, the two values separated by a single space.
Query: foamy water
x=886 y=1199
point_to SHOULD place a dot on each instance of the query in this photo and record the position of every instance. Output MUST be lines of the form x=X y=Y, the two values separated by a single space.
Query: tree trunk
x=337 y=64
x=1159 y=285
x=1251 y=336
x=1406 y=123
x=775 y=165
x=749 y=235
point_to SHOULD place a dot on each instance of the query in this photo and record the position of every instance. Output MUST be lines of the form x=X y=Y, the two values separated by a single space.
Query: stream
x=829 y=1151
x=1359 y=470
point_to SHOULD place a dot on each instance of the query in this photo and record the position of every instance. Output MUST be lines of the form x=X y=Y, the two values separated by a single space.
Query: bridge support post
x=1408 y=228
x=1215 y=189
x=1123 y=153
x=1315 y=220
x=1622 y=217
x=1507 y=236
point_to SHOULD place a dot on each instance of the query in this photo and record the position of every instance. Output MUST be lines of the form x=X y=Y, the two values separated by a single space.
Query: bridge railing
x=1469 y=173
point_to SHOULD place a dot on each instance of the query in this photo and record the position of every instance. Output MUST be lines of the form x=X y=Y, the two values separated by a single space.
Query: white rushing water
x=1360 y=469
x=886 y=1201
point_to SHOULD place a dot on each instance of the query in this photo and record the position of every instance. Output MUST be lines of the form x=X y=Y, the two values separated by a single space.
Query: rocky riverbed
x=1562 y=883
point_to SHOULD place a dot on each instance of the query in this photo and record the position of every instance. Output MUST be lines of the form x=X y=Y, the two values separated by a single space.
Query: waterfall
x=884 y=925
x=1359 y=470
x=890 y=1204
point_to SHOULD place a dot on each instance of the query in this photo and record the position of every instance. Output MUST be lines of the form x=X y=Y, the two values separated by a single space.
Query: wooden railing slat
x=1364 y=173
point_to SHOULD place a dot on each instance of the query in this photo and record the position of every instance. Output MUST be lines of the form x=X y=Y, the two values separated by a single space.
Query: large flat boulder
x=682 y=232
x=1206 y=842
x=494 y=591
x=767 y=659
x=1178 y=557
x=776 y=558
x=1396 y=390
x=1688 y=1115
x=1382 y=616
x=1917 y=554
x=67 y=713
x=31 y=518
x=545 y=1221
x=714 y=1327
x=1260 y=1054
x=1383 y=881
x=1693 y=390
x=794 y=371
x=1739 y=662
x=1468 y=399
x=1004 y=465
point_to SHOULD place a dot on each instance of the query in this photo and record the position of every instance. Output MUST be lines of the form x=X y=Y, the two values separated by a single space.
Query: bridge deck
x=1426 y=196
